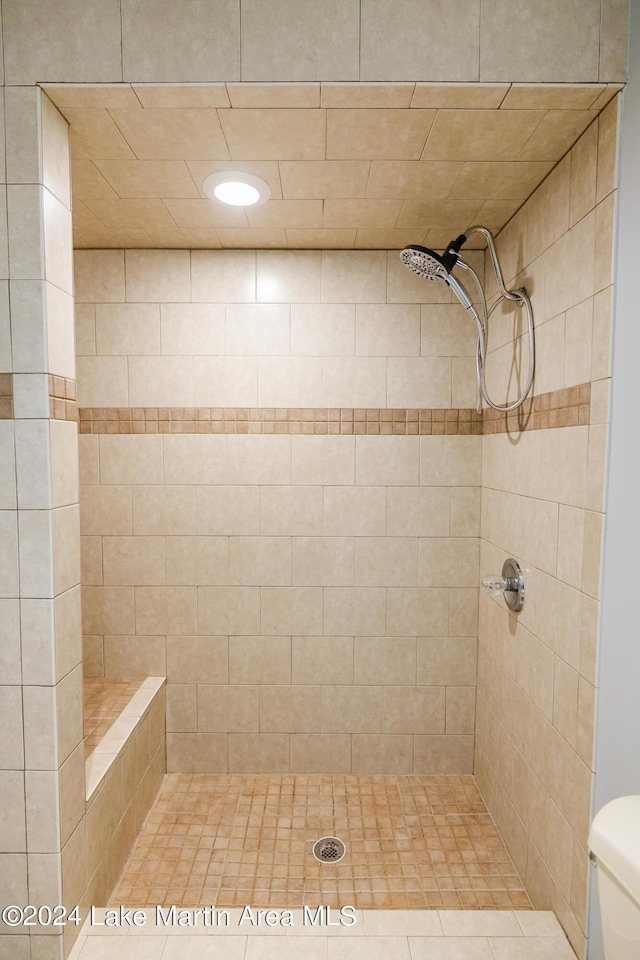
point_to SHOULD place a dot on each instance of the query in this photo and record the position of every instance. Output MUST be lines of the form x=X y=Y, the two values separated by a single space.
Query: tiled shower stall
x=287 y=499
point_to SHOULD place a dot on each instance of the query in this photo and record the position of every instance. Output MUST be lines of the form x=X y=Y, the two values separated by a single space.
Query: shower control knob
x=510 y=585
x=494 y=586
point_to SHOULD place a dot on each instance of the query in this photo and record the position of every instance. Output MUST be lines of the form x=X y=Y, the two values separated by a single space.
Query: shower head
x=431 y=265
x=425 y=262
x=434 y=266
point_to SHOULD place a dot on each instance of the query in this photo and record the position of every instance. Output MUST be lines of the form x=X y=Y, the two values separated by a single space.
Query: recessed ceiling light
x=237 y=188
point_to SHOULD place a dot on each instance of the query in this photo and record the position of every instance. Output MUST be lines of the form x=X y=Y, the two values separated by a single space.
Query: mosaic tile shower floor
x=413 y=842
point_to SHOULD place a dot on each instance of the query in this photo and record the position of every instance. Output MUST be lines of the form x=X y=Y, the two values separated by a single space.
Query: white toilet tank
x=614 y=840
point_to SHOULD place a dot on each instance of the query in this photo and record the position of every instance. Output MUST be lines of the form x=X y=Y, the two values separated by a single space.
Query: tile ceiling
x=359 y=166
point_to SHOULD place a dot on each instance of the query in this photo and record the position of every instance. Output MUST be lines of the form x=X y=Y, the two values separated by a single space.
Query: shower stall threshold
x=392 y=934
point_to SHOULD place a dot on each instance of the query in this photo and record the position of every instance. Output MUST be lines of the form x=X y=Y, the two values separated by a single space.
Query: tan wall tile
x=308 y=44
x=14 y=835
x=92 y=656
x=196 y=753
x=259 y=459
x=585 y=737
x=131 y=657
x=150 y=53
x=449 y=753
x=381 y=753
x=105 y=510
x=323 y=329
x=163 y=510
x=259 y=660
x=292 y=610
x=326 y=561
x=290 y=382
x=60 y=333
x=387 y=461
x=130 y=459
x=290 y=511
x=358 y=511
x=313 y=660
x=417 y=611
x=196 y=560
x=99 y=276
x=39 y=730
x=193 y=459
x=108 y=610
x=227 y=276
x=122 y=329
x=288 y=276
x=463 y=612
x=460 y=710
x=160 y=381
x=42 y=808
x=181 y=708
x=386 y=561
x=193 y=660
x=88 y=459
x=75 y=865
x=322 y=460
x=553 y=59
x=444 y=562
x=449 y=460
x=72 y=802
x=225 y=381
x=103 y=381
x=354 y=610
x=157 y=275
x=607 y=148
x=290 y=709
x=416 y=710
x=320 y=753
x=418 y=511
x=583 y=160
x=258 y=753
x=227 y=610
x=166 y=610
x=446 y=660
x=57 y=243
x=134 y=560
x=230 y=511
x=228 y=709
x=381 y=660
x=357 y=277
x=10 y=640
x=69 y=712
x=192 y=329
x=465 y=511
x=354 y=709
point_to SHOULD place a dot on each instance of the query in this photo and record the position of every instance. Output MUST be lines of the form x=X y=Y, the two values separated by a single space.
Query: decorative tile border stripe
x=6 y=396
x=62 y=398
x=569 y=407
x=281 y=420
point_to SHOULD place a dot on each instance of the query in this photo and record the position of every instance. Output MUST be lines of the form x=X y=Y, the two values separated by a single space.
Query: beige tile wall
x=41 y=764
x=542 y=501
x=299 y=40
x=311 y=599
